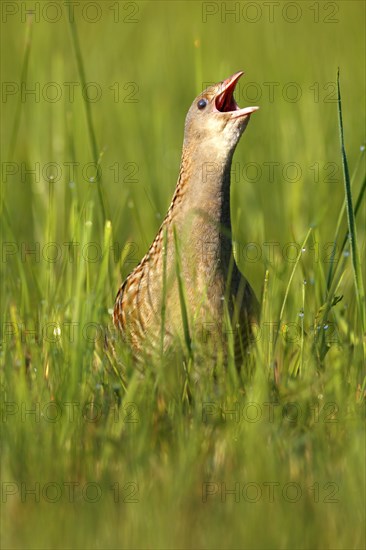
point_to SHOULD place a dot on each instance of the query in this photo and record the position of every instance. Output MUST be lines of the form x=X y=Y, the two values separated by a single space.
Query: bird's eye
x=202 y=104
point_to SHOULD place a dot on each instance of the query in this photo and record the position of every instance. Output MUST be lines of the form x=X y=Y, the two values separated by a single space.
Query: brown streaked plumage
x=200 y=215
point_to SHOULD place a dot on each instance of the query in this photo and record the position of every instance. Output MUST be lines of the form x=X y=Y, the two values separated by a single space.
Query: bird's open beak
x=225 y=102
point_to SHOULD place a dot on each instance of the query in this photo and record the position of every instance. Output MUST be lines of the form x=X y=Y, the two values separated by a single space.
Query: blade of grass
x=357 y=207
x=334 y=281
x=182 y=298
x=334 y=264
x=352 y=231
x=23 y=80
x=104 y=267
x=21 y=266
x=289 y=283
x=277 y=332
x=92 y=137
x=264 y=354
x=301 y=362
x=15 y=129
x=163 y=305
x=230 y=335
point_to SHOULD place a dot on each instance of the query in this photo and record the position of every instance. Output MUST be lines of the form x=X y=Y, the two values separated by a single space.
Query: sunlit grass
x=161 y=444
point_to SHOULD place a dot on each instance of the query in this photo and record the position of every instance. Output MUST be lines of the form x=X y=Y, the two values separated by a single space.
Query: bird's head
x=214 y=119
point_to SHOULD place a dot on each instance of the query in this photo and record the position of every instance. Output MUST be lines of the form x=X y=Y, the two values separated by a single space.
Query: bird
x=188 y=288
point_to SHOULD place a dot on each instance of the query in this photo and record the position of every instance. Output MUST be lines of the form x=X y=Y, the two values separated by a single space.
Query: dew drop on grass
x=301 y=313
x=362 y=148
x=110 y=310
x=346 y=253
x=71 y=184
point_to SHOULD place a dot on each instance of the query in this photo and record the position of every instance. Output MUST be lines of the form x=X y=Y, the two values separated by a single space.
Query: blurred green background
x=144 y=63
x=148 y=60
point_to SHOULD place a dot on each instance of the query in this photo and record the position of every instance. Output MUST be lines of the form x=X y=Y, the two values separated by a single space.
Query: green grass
x=146 y=456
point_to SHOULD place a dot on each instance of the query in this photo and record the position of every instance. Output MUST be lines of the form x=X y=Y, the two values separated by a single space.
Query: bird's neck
x=203 y=195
